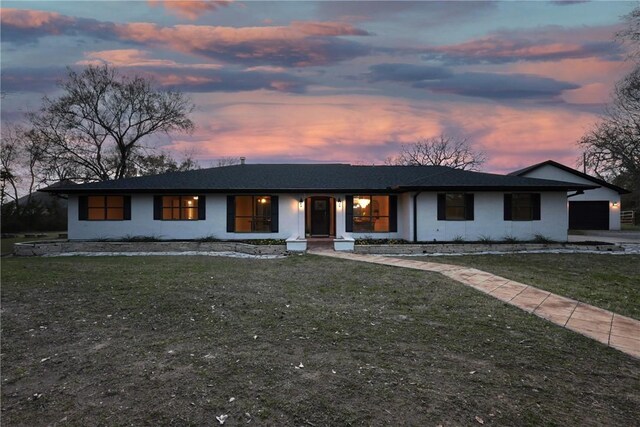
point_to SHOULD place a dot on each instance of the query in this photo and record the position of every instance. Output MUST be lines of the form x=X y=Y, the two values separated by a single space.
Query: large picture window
x=455 y=207
x=102 y=208
x=253 y=214
x=522 y=207
x=371 y=214
x=180 y=207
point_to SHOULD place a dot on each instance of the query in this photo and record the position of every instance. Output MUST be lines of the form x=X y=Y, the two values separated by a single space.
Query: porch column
x=340 y=215
x=301 y=215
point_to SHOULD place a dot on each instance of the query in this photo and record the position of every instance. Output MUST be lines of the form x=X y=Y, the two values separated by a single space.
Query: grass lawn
x=608 y=281
x=298 y=341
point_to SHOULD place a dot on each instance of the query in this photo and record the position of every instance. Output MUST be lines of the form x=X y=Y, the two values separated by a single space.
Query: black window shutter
x=127 y=208
x=231 y=214
x=468 y=206
x=83 y=208
x=202 y=208
x=157 y=207
x=535 y=202
x=442 y=207
x=507 y=207
x=348 y=226
x=393 y=214
x=274 y=214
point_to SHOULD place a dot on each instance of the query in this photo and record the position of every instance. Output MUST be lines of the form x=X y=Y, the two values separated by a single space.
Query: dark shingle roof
x=598 y=181
x=319 y=177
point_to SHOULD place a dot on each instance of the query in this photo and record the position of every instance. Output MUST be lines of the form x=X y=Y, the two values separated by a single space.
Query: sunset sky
x=338 y=81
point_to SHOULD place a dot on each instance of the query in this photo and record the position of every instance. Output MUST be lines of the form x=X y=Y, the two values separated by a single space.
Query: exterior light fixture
x=301 y=203
x=614 y=204
x=339 y=203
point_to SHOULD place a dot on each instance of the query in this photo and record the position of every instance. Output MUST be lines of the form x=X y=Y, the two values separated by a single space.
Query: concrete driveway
x=606 y=236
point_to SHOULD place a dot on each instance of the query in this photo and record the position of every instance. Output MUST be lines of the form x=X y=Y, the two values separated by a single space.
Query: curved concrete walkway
x=614 y=330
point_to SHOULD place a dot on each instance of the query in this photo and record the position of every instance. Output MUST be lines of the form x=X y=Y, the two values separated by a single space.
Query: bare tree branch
x=440 y=151
x=99 y=123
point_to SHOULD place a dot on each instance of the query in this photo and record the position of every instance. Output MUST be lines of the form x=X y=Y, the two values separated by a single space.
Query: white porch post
x=301 y=215
x=340 y=215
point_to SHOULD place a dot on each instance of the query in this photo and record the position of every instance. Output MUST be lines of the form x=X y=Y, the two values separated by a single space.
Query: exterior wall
x=291 y=219
x=602 y=193
x=488 y=207
x=489 y=222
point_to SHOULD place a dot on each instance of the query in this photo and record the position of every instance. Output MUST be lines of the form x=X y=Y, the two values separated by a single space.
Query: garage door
x=589 y=215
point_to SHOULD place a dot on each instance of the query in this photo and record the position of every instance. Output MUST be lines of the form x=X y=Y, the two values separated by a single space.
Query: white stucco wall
x=602 y=193
x=215 y=226
x=489 y=220
x=488 y=208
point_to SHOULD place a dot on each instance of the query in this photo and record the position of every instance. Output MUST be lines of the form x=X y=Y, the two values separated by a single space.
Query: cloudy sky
x=338 y=81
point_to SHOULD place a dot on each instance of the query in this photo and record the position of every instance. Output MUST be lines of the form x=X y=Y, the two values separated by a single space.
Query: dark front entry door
x=593 y=215
x=320 y=216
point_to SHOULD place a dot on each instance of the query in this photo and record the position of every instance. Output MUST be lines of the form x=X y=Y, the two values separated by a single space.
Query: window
x=253 y=214
x=371 y=214
x=104 y=208
x=522 y=207
x=180 y=207
x=455 y=207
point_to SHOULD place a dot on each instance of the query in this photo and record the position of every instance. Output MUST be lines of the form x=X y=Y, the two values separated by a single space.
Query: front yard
x=607 y=281
x=297 y=341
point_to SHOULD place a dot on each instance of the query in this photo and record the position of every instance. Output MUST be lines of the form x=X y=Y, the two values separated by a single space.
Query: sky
x=349 y=82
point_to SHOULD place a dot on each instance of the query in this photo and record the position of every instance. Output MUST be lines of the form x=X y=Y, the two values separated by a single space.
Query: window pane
x=189 y=201
x=189 y=213
x=263 y=206
x=454 y=206
x=170 y=213
x=262 y=225
x=96 y=213
x=243 y=225
x=454 y=212
x=244 y=206
x=362 y=224
x=95 y=201
x=381 y=224
x=115 y=213
x=115 y=201
x=361 y=205
x=522 y=207
x=380 y=205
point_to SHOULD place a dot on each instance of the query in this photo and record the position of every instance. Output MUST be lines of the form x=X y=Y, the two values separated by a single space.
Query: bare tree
x=9 y=164
x=226 y=161
x=611 y=150
x=153 y=164
x=102 y=119
x=440 y=151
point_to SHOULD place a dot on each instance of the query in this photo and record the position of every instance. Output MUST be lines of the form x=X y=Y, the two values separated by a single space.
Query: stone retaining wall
x=57 y=247
x=475 y=247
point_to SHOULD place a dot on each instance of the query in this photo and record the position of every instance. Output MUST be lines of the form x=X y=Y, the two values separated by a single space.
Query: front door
x=320 y=216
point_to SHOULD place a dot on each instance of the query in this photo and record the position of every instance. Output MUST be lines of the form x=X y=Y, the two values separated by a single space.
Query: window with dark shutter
x=253 y=214
x=104 y=208
x=455 y=207
x=522 y=207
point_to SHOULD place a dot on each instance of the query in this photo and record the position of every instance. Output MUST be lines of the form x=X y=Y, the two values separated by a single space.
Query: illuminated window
x=370 y=214
x=105 y=208
x=253 y=214
x=183 y=208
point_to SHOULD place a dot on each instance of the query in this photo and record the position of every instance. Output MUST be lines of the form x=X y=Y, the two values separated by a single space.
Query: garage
x=589 y=215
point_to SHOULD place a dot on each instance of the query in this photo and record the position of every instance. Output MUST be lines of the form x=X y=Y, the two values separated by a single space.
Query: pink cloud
x=190 y=9
x=367 y=129
x=135 y=58
x=542 y=44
